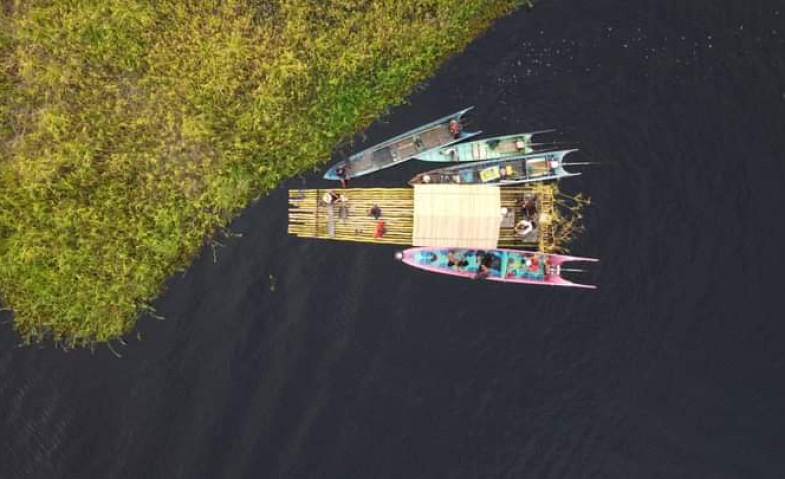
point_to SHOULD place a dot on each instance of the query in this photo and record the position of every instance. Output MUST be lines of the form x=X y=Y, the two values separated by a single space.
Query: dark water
x=356 y=366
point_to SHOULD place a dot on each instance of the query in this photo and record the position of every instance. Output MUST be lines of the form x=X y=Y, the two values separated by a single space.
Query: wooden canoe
x=502 y=265
x=507 y=146
x=503 y=171
x=436 y=134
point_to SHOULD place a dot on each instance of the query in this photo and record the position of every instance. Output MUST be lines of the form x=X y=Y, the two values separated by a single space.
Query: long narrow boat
x=419 y=141
x=503 y=265
x=486 y=149
x=503 y=171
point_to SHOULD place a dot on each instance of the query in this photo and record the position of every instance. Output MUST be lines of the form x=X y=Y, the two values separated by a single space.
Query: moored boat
x=485 y=149
x=503 y=265
x=502 y=171
x=436 y=134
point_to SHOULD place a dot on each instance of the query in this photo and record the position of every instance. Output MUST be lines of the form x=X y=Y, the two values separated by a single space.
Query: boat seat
x=537 y=167
x=436 y=136
x=383 y=156
x=508 y=147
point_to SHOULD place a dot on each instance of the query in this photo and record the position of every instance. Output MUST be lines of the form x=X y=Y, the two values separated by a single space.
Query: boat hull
x=402 y=148
x=503 y=171
x=506 y=265
x=486 y=149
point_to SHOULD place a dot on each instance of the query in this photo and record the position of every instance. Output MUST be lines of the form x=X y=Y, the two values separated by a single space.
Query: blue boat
x=506 y=146
x=442 y=132
x=502 y=171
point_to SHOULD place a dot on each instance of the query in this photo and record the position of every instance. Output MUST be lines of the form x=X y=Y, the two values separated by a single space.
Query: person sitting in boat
x=486 y=262
x=531 y=262
x=454 y=262
x=514 y=268
x=342 y=174
x=455 y=128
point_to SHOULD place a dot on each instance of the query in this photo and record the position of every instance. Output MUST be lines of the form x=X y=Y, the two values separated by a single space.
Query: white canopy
x=464 y=216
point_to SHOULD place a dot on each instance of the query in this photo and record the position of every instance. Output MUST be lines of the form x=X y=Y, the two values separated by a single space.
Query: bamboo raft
x=311 y=217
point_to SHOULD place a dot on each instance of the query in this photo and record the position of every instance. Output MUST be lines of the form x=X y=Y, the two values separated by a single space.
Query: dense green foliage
x=131 y=130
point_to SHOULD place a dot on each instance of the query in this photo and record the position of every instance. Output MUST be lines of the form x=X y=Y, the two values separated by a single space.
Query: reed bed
x=133 y=130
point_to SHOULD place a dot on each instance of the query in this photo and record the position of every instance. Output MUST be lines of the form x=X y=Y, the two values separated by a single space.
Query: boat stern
x=558 y=164
x=558 y=263
x=332 y=172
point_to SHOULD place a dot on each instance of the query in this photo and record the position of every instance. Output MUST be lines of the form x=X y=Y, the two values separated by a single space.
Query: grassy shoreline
x=132 y=131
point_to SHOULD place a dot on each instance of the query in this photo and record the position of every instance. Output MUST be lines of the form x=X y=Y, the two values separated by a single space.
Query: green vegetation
x=567 y=221
x=133 y=130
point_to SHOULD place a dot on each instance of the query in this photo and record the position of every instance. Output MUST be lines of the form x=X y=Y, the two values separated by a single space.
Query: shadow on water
x=355 y=366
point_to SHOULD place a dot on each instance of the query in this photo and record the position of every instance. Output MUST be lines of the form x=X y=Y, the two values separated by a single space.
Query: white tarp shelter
x=463 y=216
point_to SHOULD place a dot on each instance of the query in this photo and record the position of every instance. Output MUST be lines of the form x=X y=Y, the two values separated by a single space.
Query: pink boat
x=504 y=265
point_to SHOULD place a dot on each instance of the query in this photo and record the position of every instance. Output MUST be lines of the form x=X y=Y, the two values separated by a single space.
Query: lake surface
x=296 y=358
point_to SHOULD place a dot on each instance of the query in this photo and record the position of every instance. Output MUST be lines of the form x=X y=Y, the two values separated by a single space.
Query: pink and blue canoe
x=503 y=265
